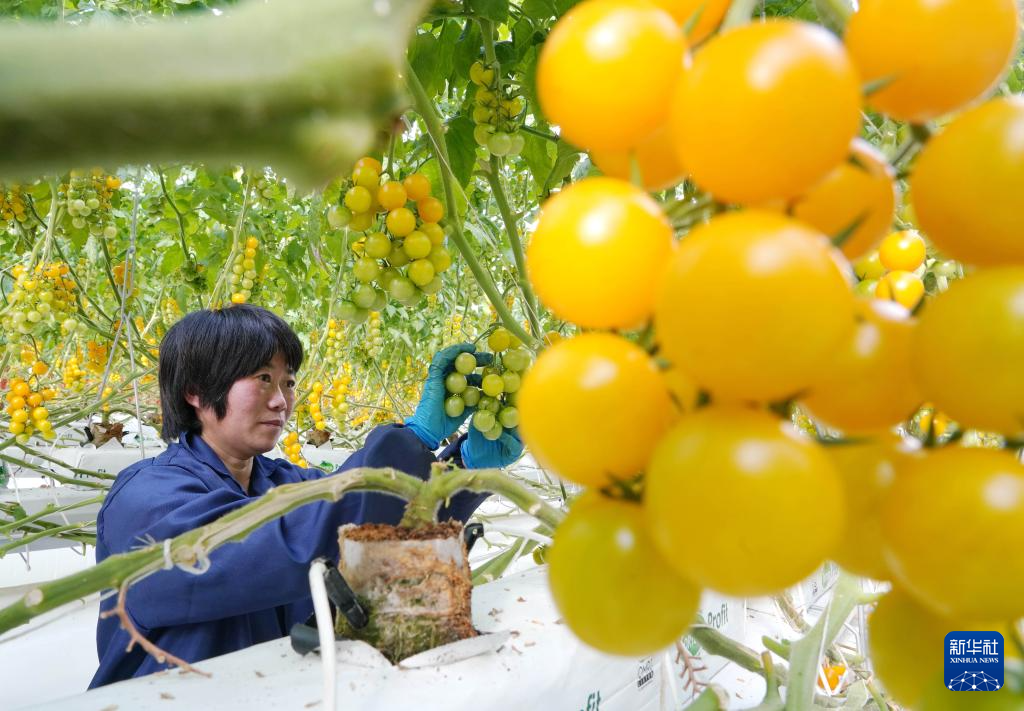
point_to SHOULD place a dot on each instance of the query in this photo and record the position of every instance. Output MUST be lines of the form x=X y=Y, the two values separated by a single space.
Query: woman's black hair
x=204 y=354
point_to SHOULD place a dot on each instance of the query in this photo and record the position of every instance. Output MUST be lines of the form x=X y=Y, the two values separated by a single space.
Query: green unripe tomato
x=378 y=245
x=483 y=420
x=417 y=245
x=401 y=288
x=455 y=383
x=433 y=286
x=508 y=417
x=465 y=363
x=493 y=385
x=441 y=258
x=397 y=256
x=364 y=296
x=517 y=359
x=421 y=272
x=454 y=405
x=482 y=134
x=500 y=143
x=471 y=396
x=366 y=269
x=512 y=381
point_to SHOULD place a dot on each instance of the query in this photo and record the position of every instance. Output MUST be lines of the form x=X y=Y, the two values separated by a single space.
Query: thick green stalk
x=425 y=108
x=442 y=485
x=193 y=547
x=17 y=543
x=512 y=230
x=298 y=84
x=805 y=653
x=53 y=475
x=48 y=510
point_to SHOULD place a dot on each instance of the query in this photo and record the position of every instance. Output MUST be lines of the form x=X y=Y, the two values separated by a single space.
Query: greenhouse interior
x=582 y=355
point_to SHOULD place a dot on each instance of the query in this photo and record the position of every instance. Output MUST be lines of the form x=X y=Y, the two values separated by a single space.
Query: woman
x=227 y=388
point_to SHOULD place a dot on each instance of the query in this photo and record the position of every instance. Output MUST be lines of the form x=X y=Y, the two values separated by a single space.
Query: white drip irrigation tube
x=325 y=630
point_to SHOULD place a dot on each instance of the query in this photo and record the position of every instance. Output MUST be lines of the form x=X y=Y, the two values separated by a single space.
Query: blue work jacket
x=254 y=590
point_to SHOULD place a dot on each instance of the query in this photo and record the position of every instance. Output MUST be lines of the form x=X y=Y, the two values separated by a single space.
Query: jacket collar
x=259 y=483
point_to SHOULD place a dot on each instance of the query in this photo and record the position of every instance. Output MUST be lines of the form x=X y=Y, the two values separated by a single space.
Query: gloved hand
x=430 y=422
x=478 y=452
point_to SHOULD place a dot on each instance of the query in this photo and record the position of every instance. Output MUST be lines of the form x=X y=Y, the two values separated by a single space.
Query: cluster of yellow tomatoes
x=12 y=204
x=25 y=406
x=243 y=271
x=86 y=198
x=42 y=299
x=755 y=308
x=498 y=111
x=409 y=239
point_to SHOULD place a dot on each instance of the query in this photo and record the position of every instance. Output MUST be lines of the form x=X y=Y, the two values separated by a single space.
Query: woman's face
x=258 y=406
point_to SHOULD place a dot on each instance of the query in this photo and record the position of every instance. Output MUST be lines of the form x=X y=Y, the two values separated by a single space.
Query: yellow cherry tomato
x=933 y=57
x=430 y=208
x=583 y=398
x=361 y=221
x=699 y=17
x=861 y=191
x=903 y=639
x=655 y=158
x=741 y=114
x=967 y=183
x=868 y=384
x=401 y=221
x=867 y=469
x=752 y=305
x=357 y=199
x=902 y=251
x=869 y=267
x=635 y=48
x=969 y=349
x=740 y=472
x=391 y=195
x=598 y=252
x=369 y=162
x=604 y=569
x=902 y=287
x=417 y=186
x=959 y=509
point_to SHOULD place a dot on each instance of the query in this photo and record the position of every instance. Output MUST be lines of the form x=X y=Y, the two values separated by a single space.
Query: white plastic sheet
x=541 y=666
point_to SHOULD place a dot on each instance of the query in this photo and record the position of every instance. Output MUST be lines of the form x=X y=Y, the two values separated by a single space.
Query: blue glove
x=478 y=452
x=430 y=422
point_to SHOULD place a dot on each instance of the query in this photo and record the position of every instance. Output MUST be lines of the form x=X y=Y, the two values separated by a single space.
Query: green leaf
x=422 y=53
x=461 y=148
x=538 y=9
x=294 y=252
x=565 y=161
x=170 y=261
x=539 y=154
x=468 y=48
x=505 y=53
x=563 y=6
x=494 y=10
x=445 y=57
x=528 y=67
